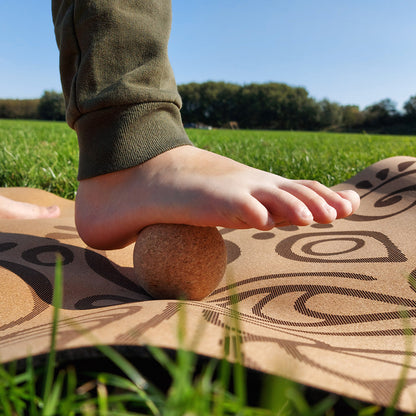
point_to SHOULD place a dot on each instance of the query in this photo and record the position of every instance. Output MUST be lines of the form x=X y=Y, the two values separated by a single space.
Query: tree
x=212 y=103
x=191 y=102
x=381 y=113
x=410 y=107
x=276 y=106
x=52 y=106
x=330 y=114
x=19 y=109
x=273 y=106
x=352 y=116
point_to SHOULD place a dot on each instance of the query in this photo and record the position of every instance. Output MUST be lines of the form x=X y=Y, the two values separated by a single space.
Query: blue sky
x=351 y=52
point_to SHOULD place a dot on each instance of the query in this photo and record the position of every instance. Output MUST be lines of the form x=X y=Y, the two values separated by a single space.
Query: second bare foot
x=10 y=209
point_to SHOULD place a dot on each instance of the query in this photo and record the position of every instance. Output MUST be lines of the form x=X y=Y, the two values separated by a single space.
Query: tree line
x=51 y=106
x=279 y=106
x=271 y=106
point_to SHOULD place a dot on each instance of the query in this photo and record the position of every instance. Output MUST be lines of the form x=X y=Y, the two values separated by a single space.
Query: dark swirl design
x=364 y=242
x=391 y=203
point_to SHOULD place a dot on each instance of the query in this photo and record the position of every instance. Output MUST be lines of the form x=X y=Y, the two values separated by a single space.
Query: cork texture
x=331 y=306
x=175 y=261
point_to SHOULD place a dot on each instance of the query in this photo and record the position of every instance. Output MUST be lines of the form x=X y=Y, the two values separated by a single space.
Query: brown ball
x=175 y=261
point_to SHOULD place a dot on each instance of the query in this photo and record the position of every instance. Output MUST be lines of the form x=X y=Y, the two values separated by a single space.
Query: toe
x=316 y=200
x=352 y=197
x=251 y=213
x=343 y=203
x=53 y=211
x=285 y=208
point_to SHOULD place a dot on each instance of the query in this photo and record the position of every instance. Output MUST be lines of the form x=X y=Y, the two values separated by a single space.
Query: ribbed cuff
x=118 y=138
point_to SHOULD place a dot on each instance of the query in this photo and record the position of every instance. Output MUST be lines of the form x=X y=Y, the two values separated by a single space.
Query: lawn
x=44 y=155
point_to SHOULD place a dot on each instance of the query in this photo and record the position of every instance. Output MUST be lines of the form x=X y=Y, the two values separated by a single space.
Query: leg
x=10 y=209
x=137 y=166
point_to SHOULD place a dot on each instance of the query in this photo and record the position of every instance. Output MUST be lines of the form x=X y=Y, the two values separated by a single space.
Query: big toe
x=50 y=212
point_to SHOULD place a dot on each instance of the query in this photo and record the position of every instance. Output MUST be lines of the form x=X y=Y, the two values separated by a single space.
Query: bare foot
x=10 y=209
x=187 y=185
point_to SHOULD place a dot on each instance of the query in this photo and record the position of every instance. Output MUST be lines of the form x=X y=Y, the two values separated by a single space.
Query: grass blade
x=53 y=399
x=57 y=304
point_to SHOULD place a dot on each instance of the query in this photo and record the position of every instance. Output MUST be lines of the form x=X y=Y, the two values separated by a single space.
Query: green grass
x=39 y=154
x=330 y=158
x=44 y=155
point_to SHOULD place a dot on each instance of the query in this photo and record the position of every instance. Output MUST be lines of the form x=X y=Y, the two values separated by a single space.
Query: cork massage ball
x=175 y=261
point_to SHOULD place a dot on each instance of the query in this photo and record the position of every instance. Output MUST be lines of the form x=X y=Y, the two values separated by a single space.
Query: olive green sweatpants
x=120 y=92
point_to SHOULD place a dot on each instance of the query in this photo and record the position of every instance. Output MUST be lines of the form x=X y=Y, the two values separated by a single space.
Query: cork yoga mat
x=331 y=306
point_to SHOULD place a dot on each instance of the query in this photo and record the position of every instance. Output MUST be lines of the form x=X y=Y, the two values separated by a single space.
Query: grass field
x=44 y=155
